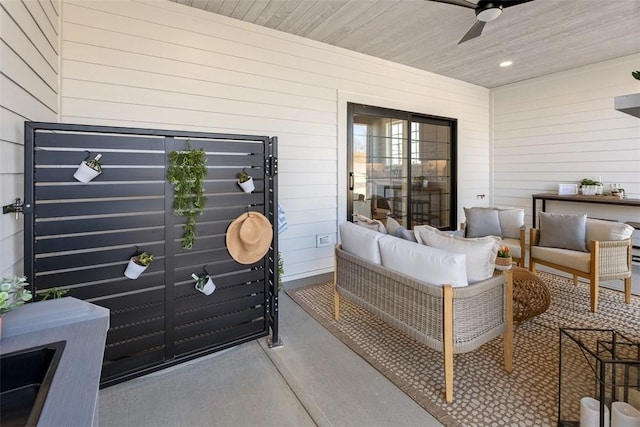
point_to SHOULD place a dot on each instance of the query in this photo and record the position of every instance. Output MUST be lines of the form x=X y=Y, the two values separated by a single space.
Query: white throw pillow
x=481 y=252
x=431 y=265
x=360 y=241
x=371 y=224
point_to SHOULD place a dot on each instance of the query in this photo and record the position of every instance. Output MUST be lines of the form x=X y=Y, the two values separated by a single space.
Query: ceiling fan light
x=489 y=14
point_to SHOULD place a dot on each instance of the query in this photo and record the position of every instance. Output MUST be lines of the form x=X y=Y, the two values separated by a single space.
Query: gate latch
x=16 y=207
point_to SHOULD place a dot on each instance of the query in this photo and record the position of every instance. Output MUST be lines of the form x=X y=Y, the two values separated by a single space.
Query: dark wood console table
x=604 y=200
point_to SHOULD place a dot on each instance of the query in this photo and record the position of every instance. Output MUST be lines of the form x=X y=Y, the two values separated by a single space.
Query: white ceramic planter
x=247 y=186
x=85 y=174
x=134 y=270
x=589 y=190
x=208 y=286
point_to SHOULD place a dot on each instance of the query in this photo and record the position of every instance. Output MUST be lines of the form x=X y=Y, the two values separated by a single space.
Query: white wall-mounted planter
x=207 y=287
x=134 y=270
x=247 y=186
x=85 y=173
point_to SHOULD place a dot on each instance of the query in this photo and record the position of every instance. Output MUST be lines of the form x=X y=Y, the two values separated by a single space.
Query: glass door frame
x=409 y=117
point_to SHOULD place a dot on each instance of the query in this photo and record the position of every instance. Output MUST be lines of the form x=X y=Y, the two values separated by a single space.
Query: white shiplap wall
x=160 y=64
x=562 y=128
x=29 y=53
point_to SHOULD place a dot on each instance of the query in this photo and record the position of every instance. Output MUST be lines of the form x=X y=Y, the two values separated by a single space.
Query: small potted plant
x=88 y=169
x=503 y=260
x=12 y=295
x=204 y=283
x=246 y=181
x=590 y=187
x=138 y=264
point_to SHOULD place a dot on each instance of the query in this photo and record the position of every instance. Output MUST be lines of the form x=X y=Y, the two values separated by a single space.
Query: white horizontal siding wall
x=29 y=49
x=562 y=128
x=159 y=64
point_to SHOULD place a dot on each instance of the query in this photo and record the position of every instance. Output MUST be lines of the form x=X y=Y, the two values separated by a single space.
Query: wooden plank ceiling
x=540 y=37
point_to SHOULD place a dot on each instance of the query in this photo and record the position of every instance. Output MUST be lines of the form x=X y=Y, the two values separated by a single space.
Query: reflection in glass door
x=400 y=166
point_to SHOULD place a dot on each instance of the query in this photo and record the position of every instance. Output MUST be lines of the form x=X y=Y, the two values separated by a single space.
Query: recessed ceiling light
x=506 y=63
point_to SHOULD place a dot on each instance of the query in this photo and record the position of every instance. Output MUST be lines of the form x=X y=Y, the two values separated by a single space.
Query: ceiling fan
x=486 y=11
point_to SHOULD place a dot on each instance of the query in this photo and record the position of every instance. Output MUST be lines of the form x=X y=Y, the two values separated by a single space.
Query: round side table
x=531 y=295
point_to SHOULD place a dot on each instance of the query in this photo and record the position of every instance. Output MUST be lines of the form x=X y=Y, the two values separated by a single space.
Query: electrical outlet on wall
x=324 y=240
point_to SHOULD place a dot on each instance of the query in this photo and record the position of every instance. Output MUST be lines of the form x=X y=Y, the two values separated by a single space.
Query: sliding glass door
x=401 y=165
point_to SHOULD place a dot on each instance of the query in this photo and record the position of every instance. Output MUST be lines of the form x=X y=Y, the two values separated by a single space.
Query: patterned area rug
x=484 y=395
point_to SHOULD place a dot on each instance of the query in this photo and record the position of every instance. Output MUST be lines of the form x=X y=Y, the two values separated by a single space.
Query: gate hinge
x=16 y=207
x=271 y=166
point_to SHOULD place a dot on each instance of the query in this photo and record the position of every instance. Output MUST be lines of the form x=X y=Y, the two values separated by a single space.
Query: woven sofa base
x=417 y=308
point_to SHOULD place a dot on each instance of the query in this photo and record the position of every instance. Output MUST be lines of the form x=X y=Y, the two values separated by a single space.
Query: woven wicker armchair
x=447 y=319
x=606 y=260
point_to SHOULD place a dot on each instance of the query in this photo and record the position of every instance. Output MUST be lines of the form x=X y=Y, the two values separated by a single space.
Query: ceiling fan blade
x=463 y=3
x=506 y=4
x=474 y=32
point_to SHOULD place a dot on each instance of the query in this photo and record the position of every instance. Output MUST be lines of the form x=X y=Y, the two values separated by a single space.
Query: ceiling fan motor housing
x=488 y=10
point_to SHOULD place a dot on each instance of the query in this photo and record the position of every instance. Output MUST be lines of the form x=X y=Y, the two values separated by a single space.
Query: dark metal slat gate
x=80 y=236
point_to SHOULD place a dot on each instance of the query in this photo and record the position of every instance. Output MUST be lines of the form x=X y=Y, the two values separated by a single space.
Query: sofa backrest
x=361 y=241
x=424 y=263
x=427 y=264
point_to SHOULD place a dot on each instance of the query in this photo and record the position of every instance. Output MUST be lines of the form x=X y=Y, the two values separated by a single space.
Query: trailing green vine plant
x=187 y=169
x=280 y=270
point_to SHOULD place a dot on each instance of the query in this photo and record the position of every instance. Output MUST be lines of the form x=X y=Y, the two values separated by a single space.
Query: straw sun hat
x=249 y=237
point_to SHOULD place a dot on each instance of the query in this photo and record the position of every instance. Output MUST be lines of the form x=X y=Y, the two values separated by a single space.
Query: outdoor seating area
x=317 y=213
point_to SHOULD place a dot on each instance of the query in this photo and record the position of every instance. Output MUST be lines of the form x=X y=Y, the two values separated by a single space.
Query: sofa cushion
x=371 y=224
x=427 y=264
x=480 y=252
x=511 y=221
x=361 y=241
x=598 y=229
x=563 y=231
x=482 y=222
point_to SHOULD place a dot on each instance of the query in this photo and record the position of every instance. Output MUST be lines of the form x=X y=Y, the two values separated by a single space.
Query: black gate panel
x=79 y=237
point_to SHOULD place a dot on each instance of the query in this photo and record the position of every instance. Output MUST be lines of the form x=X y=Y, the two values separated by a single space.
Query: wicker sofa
x=449 y=319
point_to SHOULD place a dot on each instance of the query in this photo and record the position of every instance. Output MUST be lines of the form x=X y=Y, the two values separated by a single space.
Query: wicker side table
x=531 y=295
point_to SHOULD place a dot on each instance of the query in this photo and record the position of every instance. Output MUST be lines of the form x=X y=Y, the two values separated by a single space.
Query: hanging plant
x=187 y=169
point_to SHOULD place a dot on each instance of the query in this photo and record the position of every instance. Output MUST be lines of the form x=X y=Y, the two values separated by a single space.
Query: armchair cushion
x=515 y=250
x=575 y=260
x=598 y=229
x=511 y=221
x=563 y=231
x=481 y=221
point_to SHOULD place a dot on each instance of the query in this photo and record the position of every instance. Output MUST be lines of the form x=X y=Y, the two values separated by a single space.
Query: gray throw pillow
x=564 y=231
x=482 y=222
